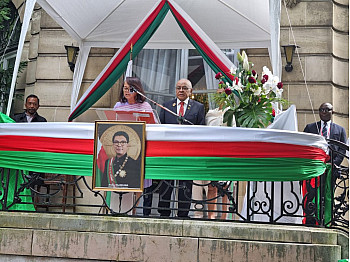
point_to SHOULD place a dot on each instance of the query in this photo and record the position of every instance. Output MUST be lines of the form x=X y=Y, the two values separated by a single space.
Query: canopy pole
x=27 y=16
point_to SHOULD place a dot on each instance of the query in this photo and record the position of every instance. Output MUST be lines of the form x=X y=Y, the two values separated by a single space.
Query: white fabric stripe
x=170 y=133
x=50 y=129
x=233 y=134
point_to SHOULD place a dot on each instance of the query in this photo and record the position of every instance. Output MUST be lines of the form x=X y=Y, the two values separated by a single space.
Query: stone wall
x=320 y=29
x=32 y=237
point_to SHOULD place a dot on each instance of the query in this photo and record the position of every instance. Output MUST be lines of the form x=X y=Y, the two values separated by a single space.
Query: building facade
x=320 y=74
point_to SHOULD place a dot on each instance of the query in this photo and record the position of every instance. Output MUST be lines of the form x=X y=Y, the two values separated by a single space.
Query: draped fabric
x=116 y=67
x=205 y=153
x=9 y=176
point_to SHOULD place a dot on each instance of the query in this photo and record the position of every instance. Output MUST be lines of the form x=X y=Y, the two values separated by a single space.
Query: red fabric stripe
x=47 y=144
x=201 y=43
x=101 y=159
x=232 y=149
x=125 y=50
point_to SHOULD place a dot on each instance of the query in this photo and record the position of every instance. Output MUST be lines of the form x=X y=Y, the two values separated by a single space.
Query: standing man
x=30 y=114
x=194 y=112
x=326 y=128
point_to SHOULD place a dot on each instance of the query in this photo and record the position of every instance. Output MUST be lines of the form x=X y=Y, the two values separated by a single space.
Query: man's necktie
x=324 y=130
x=181 y=111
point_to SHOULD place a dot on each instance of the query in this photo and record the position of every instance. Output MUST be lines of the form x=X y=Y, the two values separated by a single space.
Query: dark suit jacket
x=337 y=133
x=195 y=113
x=133 y=173
x=22 y=118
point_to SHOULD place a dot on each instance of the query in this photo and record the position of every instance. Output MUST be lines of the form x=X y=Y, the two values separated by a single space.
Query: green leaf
x=228 y=117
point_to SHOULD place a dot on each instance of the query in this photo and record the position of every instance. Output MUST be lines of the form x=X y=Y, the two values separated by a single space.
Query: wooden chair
x=58 y=183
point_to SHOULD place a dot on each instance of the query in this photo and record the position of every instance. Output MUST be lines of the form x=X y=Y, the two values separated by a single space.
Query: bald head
x=183 y=89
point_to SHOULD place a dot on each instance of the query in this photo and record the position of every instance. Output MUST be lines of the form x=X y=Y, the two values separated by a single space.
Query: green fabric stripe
x=121 y=67
x=241 y=169
x=182 y=168
x=329 y=195
x=6 y=119
x=25 y=195
x=69 y=164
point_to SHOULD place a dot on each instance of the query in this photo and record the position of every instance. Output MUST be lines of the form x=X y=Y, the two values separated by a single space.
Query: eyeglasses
x=184 y=88
x=325 y=110
x=120 y=143
x=128 y=89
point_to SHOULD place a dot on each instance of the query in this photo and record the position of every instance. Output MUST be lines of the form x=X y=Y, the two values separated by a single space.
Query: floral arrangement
x=249 y=99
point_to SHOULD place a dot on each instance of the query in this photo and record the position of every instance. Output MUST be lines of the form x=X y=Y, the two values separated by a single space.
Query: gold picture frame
x=119 y=156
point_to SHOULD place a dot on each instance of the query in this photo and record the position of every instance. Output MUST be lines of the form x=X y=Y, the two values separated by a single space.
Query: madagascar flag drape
x=215 y=58
x=172 y=151
x=10 y=182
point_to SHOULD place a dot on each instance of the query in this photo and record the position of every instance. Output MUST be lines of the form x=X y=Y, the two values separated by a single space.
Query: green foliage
x=4 y=12
x=5 y=82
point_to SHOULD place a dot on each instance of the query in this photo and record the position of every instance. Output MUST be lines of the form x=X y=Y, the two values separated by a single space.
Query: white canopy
x=109 y=23
x=229 y=23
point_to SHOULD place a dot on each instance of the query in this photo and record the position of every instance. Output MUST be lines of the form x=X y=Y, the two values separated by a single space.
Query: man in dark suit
x=194 y=113
x=30 y=114
x=326 y=128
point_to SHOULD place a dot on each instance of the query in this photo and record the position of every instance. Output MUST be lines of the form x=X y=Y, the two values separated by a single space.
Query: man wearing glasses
x=190 y=112
x=326 y=128
x=121 y=171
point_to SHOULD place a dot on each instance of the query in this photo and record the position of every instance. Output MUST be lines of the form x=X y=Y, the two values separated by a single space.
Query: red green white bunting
x=118 y=64
x=172 y=151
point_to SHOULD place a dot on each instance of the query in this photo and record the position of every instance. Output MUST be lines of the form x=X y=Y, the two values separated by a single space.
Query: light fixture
x=72 y=53
x=289 y=52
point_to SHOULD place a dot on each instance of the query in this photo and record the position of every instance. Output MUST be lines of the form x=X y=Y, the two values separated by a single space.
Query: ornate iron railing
x=322 y=201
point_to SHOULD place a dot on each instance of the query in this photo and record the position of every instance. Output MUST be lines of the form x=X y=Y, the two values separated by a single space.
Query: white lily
x=245 y=61
x=233 y=70
x=257 y=91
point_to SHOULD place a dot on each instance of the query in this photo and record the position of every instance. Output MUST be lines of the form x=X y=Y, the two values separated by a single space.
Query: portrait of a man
x=119 y=152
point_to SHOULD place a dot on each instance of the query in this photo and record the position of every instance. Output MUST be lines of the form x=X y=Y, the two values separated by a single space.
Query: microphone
x=180 y=119
x=132 y=89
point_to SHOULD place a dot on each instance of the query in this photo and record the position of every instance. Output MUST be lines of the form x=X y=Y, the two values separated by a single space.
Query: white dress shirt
x=328 y=128
x=185 y=105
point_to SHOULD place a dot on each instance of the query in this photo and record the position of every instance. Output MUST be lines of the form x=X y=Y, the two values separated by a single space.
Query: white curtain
x=159 y=70
x=212 y=83
x=79 y=73
x=274 y=50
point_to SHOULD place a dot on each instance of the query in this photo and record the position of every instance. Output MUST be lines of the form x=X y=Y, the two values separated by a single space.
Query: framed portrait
x=119 y=156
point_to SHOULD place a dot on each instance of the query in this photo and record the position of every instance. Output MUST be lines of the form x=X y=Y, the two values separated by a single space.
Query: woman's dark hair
x=135 y=83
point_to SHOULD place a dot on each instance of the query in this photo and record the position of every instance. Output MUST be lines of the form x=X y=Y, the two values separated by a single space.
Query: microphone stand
x=180 y=119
